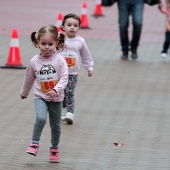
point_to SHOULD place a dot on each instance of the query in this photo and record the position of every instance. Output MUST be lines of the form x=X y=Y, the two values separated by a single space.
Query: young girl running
x=48 y=72
x=75 y=50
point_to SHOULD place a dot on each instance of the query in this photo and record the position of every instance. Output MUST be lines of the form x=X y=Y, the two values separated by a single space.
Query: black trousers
x=166 y=43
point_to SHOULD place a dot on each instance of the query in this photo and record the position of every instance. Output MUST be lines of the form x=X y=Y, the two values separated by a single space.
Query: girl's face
x=47 y=45
x=71 y=27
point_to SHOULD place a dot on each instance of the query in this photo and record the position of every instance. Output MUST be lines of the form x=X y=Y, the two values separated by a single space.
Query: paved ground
x=125 y=102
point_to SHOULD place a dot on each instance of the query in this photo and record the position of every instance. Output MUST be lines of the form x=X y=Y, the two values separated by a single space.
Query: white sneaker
x=163 y=55
x=69 y=117
x=63 y=114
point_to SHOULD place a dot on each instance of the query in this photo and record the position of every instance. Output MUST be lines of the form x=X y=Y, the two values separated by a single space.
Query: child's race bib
x=70 y=58
x=48 y=78
x=46 y=86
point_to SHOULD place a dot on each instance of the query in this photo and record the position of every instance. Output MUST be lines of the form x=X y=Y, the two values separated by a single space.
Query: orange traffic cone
x=14 y=59
x=84 y=16
x=98 y=9
x=59 y=22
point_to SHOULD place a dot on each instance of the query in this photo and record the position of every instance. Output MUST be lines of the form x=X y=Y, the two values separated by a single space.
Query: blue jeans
x=127 y=8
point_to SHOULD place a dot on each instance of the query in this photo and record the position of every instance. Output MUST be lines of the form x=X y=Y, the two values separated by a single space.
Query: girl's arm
x=87 y=60
x=160 y=6
x=163 y=10
x=28 y=81
x=168 y=25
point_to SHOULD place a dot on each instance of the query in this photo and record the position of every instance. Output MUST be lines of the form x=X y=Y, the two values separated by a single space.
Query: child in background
x=166 y=44
x=48 y=72
x=75 y=50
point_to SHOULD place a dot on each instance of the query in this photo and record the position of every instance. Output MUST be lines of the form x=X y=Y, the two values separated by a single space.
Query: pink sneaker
x=33 y=149
x=54 y=155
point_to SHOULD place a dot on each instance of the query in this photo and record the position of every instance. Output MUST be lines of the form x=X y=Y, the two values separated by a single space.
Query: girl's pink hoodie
x=46 y=74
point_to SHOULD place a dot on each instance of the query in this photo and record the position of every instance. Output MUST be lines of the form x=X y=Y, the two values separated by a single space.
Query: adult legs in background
x=127 y=8
x=124 y=12
x=137 y=20
x=166 y=45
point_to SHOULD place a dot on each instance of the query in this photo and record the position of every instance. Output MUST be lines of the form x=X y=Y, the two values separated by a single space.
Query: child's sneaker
x=33 y=149
x=163 y=55
x=54 y=155
x=69 y=117
x=63 y=114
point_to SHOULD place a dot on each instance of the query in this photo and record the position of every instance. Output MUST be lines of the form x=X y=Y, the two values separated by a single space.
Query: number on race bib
x=48 y=85
x=71 y=62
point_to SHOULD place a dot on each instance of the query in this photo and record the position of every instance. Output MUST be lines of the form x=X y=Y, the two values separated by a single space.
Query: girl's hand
x=22 y=97
x=90 y=73
x=52 y=93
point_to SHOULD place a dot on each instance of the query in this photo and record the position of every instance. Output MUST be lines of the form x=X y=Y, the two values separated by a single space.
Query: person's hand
x=90 y=73
x=160 y=6
x=52 y=93
x=22 y=97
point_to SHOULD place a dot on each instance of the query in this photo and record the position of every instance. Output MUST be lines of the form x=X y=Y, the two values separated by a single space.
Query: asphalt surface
x=125 y=102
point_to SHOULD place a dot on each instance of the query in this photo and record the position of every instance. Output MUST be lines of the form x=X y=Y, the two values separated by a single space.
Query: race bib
x=46 y=86
x=48 y=78
x=70 y=58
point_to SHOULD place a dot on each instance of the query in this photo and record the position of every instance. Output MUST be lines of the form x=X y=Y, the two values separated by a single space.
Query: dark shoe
x=124 y=55
x=134 y=55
